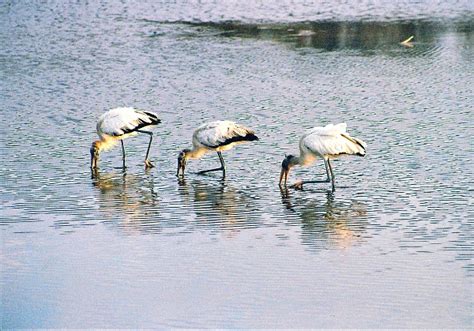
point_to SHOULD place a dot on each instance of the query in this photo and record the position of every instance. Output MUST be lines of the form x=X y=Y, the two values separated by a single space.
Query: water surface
x=391 y=247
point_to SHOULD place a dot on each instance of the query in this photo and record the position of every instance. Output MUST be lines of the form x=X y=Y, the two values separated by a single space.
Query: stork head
x=95 y=149
x=288 y=162
x=182 y=158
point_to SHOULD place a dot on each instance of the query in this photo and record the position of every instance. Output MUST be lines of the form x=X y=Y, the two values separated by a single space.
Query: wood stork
x=215 y=136
x=118 y=124
x=327 y=142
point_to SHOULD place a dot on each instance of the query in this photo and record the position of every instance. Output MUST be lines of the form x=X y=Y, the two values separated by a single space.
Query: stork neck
x=105 y=144
x=297 y=160
x=195 y=153
x=304 y=160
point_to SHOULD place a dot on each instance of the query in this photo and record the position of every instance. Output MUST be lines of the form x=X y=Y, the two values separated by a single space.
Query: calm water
x=391 y=247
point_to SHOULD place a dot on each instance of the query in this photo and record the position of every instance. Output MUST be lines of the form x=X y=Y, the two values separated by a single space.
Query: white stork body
x=329 y=142
x=118 y=124
x=215 y=136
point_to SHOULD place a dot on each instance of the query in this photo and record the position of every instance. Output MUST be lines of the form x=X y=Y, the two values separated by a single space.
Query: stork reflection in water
x=217 y=204
x=325 y=221
x=127 y=201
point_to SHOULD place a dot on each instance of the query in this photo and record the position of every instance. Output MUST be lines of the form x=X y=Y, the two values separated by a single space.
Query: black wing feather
x=247 y=137
x=141 y=123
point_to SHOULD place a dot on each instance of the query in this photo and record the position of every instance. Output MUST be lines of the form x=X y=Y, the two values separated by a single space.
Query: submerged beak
x=94 y=158
x=181 y=166
x=284 y=176
x=94 y=162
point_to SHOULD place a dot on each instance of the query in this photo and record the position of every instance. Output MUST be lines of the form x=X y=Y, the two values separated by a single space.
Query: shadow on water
x=327 y=222
x=127 y=201
x=333 y=35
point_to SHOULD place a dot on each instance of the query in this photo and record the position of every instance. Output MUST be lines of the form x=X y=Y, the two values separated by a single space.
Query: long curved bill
x=180 y=171
x=283 y=176
x=93 y=161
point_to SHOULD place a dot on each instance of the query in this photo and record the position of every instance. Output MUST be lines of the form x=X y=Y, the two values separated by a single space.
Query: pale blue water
x=391 y=247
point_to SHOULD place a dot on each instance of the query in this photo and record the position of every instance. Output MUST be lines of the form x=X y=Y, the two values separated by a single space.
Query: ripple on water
x=325 y=221
x=402 y=210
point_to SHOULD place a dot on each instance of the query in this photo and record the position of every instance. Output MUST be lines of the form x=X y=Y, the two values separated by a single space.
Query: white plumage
x=327 y=142
x=220 y=135
x=215 y=136
x=330 y=141
x=124 y=120
x=118 y=124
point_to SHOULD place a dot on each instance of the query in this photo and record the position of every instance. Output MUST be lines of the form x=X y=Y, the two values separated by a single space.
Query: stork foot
x=298 y=185
x=148 y=164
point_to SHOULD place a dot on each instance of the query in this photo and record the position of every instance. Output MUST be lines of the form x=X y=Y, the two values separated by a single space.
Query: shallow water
x=391 y=247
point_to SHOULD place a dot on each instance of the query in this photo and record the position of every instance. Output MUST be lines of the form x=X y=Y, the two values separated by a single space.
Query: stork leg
x=327 y=165
x=216 y=169
x=123 y=154
x=332 y=177
x=148 y=163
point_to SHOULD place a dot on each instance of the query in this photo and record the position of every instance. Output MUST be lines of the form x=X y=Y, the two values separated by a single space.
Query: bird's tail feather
x=358 y=146
x=153 y=118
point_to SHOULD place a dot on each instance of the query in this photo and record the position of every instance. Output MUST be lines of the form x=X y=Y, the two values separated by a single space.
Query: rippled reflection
x=327 y=222
x=126 y=200
x=395 y=237
x=219 y=205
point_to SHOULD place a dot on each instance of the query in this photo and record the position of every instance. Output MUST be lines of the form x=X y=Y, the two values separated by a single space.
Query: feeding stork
x=329 y=142
x=215 y=136
x=118 y=124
